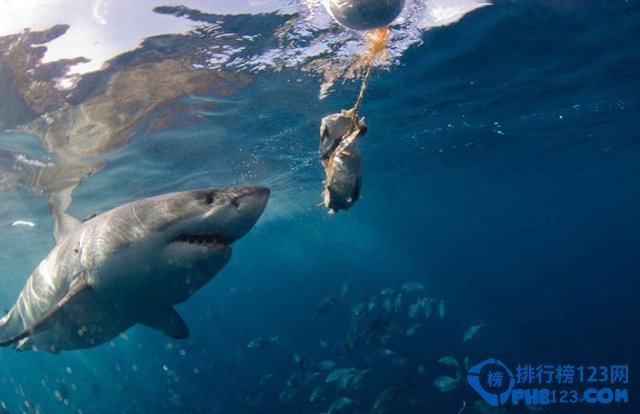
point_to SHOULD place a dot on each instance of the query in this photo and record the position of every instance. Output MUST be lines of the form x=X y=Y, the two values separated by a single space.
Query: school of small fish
x=330 y=379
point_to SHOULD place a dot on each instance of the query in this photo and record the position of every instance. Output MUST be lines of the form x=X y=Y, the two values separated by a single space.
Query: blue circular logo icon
x=492 y=380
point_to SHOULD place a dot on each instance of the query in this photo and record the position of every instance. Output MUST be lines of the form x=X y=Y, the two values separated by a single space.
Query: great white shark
x=130 y=266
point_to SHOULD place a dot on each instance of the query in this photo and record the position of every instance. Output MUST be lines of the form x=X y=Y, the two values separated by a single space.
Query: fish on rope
x=339 y=135
x=341 y=159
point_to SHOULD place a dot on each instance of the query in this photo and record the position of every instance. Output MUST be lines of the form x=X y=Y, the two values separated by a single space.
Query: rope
x=363 y=88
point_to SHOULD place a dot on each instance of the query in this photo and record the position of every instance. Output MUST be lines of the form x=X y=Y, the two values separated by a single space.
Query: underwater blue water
x=501 y=171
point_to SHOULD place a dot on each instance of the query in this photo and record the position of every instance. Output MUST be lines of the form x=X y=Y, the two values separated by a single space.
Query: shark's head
x=204 y=217
x=172 y=244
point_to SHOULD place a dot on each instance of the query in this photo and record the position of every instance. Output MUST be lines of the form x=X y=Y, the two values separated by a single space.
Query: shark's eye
x=209 y=198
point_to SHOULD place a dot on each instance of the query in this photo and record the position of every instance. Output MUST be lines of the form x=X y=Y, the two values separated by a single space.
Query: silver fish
x=339 y=374
x=345 y=382
x=446 y=384
x=388 y=305
x=412 y=329
x=254 y=397
x=344 y=289
x=387 y=396
x=326 y=364
x=384 y=399
x=262 y=342
x=341 y=403
x=295 y=379
x=358 y=309
x=341 y=159
x=471 y=331
x=316 y=394
x=398 y=302
x=345 y=377
x=384 y=352
x=310 y=378
x=412 y=286
x=399 y=360
x=265 y=378
x=356 y=380
x=287 y=395
x=449 y=361
x=372 y=303
x=388 y=291
x=441 y=309
x=415 y=308
x=326 y=304
x=426 y=306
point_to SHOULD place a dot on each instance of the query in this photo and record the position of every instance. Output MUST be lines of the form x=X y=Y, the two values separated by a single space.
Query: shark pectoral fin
x=166 y=320
x=15 y=339
x=77 y=287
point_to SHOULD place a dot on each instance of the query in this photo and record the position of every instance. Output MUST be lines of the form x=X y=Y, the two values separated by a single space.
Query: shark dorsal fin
x=78 y=286
x=63 y=223
x=166 y=320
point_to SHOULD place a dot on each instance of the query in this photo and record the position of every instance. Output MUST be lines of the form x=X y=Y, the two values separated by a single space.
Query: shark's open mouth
x=204 y=239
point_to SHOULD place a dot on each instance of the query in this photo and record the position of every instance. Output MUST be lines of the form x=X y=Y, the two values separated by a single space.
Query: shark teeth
x=204 y=239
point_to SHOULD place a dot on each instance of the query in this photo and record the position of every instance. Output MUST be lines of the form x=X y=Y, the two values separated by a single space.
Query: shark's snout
x=216 y=218
x=249 y=203
x=252 y=200
x=229 y=213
